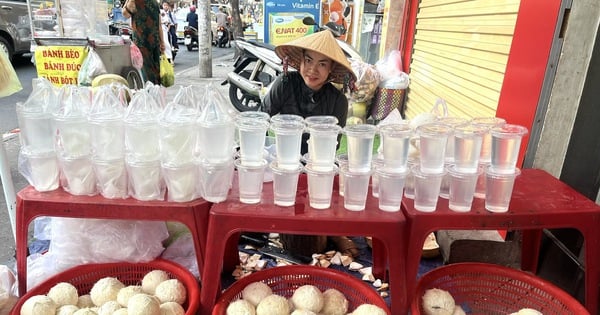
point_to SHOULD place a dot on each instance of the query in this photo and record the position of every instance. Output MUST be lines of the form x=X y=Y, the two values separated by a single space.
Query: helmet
x=192 y=8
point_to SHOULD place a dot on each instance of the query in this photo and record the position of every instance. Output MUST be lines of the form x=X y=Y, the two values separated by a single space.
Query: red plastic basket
x=286 y=279
x=493 y=289
x=85 y=276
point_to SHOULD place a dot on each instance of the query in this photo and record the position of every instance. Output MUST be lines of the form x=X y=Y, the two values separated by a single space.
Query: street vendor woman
x=309 y=92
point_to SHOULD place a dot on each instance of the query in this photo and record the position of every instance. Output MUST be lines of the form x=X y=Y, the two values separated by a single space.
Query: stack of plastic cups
x=215 y=152
x=392 y=173
x=143 y=158
x=359 y=139
x=286 y=166
x=251 y=165
x=501 y=174
x=376 y=164
x=429 y=172
x=449 y=154
x=177 y=144
x=465 y=170
x=486 y=149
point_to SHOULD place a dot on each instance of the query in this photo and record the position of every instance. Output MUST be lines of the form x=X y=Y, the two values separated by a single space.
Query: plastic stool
x=228 y=219
x=58 y=203
x=539 y=201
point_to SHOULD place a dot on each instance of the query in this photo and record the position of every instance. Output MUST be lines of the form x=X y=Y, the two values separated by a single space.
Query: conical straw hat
x=324 y=43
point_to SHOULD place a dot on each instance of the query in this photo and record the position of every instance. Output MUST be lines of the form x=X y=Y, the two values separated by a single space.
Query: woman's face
x=315 y=69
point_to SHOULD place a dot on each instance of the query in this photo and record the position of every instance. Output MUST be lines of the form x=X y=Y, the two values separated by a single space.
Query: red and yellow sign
x=59 y=64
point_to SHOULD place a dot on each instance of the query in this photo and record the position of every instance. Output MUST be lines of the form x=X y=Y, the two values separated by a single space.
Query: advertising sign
x=59 y=64
x=283 y=19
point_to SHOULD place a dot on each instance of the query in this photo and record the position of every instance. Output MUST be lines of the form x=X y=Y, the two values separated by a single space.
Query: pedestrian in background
x=172 y=26
x=192 y=17
x=147 y=35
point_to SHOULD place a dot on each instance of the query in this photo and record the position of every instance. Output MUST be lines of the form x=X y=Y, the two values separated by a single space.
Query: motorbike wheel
x=190 y=47
x=243 y=102
x=133 y=77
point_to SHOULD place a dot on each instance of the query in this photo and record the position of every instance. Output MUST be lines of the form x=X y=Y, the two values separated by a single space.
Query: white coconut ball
x=438 y=302
x=273 y=305
x=152 y=279
x=527 y=311
x=308 y=297
x=108 y=308
x=240 y=307
x=85 y=311
x=63 y=293
x=304 y=312
x=85 y=301
x=67 y=310
x=171 y=290
x=127 y=292
x=105 y=289
x=369 y=309
x=38 y=305
x=334 y=303
x=143 y=304
x=171 y=308
x=255 y=292
x=121 y=311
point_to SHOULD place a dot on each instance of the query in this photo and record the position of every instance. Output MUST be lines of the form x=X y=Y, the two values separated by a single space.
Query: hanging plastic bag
x=92 y=67
x=367 y=82
x=9 y=81
x=137 y=61
x=167 y=73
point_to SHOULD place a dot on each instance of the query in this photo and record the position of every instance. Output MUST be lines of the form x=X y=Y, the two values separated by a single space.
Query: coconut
x=255 y=292
x=63 y=293
x=308 y=297
x=171 y=290
x=273 y=305
x=240 y=307
x=105 y=289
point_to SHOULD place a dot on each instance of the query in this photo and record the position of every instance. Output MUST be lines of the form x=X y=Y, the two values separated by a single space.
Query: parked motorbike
x=222 y=37
x=190 y=37
x=257 y=66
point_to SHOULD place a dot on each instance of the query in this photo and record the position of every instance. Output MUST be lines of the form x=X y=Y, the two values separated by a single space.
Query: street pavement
x=187 y=77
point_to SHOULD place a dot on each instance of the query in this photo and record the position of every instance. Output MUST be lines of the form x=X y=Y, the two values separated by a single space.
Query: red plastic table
x=228 y=219
x=58 y=203
x=539 y=201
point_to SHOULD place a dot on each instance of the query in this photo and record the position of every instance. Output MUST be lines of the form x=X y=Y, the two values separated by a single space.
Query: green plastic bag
x=167 y=73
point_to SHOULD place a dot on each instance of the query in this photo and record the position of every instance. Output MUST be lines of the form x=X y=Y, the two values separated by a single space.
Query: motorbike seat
x=260 y=44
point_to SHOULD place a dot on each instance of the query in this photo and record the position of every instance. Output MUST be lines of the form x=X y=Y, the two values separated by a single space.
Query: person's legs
x=173 y=36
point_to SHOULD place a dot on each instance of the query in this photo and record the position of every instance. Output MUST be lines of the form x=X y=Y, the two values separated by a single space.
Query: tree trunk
x=236 y=19
x=204 y=39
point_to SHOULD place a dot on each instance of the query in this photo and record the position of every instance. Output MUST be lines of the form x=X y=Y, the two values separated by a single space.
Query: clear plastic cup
x=452 y=122
x=252 y=135
x=356 y=188
x=78 y=176
x=395 y=139
x=359 y=140
x=409 y=182
x=107 y=139
x=181 y=181
x=111 y=178
x=41 y=170
x=321 y=119
x=288 y=139
x=177 y=143
x=486 y=143
x=285 y=184
x=467 y=147
x=498 y=189
x=322 y=144
x=216 y=141
x=375 y=165
x=445 y=184
x=215 y=179
x=36 y=130
x=462 y=189
x=432 y=146
x=145 y=180
x=250 y=181
x=506 y=142
x=286 y=118
x=480 y=186
x=391 y=187
x=427 y=189
x=142 y=141
x=253 y=115
x=320 y=186
x=73 y=137
x=341 y=160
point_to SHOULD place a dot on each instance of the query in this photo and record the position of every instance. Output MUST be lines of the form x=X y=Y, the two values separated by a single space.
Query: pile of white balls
x=441 y=302
x=258 y=299
x=157 y=295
